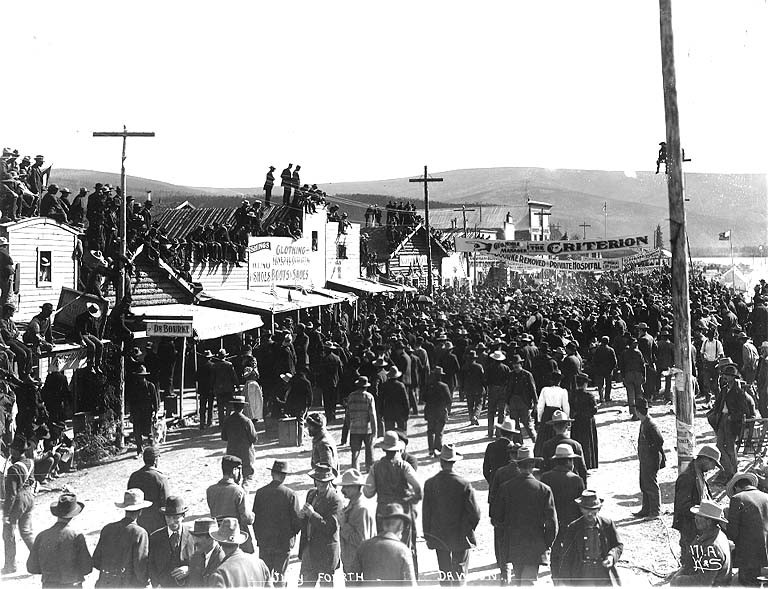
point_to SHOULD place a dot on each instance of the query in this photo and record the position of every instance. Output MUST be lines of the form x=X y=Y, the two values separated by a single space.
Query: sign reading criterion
x=554 y=248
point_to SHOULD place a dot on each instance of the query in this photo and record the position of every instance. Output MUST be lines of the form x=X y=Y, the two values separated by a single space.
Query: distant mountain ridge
x=636 y=202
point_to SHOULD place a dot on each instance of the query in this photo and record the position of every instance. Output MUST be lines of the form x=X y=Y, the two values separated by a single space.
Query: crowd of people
x=526 y=355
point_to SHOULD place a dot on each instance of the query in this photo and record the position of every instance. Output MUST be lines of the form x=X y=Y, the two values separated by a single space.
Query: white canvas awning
x=207 y=323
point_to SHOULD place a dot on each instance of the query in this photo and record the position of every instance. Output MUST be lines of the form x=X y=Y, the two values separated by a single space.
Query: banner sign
x=553 y=248
x=588 y=265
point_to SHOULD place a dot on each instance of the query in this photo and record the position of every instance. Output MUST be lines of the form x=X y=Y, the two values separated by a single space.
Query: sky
x=374 y=90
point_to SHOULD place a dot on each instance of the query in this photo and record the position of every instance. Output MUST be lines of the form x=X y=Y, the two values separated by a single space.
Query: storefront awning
x=361 y=285
x=207 y=323
x=396 y=285
x=267 y=301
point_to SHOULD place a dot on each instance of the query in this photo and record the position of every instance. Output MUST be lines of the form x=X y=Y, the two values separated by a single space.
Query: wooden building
x=403 y=259
x=43 y=251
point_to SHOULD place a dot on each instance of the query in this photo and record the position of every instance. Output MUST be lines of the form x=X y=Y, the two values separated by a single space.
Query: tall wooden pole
x=684 y=404
x=122 y=232
x=426 y=179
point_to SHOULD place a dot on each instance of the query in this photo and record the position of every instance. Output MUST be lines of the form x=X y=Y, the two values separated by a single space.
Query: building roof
x=379 y=244
x=179 y=222
x=482 y=217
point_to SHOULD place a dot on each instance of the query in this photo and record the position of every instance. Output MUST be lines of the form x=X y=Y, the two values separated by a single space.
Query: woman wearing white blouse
x=551 y=399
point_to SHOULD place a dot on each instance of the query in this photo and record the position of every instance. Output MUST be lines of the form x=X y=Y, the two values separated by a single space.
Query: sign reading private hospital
x=502 y=247
x=282 y=260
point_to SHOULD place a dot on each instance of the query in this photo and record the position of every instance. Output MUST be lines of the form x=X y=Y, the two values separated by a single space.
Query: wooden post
x=425 y=179
x=183 y=372
x=584 y=227
x=684 y=403
x=121 y=283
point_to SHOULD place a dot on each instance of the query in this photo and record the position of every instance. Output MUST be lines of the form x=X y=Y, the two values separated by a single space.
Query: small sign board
x=172 y=328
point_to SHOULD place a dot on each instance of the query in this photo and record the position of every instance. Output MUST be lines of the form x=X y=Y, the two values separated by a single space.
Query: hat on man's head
x=390 y=442
x=280 y=466
x=730 y=370
x=238 y=400
x=563 y=451
x=582 y=378
x=393 y=510
x=67 y=506
x=588 y=500
x=525 y=454
x=437 y=371
x=710 y=510
x=93 y=309
x=498 y=355
x=150 y=454
x=206 y=354
x=380 y=363
x=740 y=477
x=642 y=325
x=723 y=362
x=47 y=307
x=322 y=472
x=516 y=359
x=507 y=426
x=712 y=452
x=449 y=453
x=286 y=377
x=559 y=416
x=317 y=419
x=394 y=372
x=203 y=526
x=174 y=505
x=351 y=478
x=229 y=532
x=133 y=500
x=229 y=462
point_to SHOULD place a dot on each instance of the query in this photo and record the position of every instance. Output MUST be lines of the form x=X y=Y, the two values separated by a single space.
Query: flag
x=725 y=235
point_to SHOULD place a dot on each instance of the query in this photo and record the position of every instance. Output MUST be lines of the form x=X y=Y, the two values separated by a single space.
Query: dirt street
x=190 y=459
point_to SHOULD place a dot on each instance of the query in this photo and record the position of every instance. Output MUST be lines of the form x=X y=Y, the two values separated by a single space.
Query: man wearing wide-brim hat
x=393 y=401
x=240 y=434
x=633 y=371
x=319 y=548
x=122 y=553
x=497 y=452
x=451 y=514
x=357 y=523
x=731 y=407
x=142 y=399
x=560 y=424
x=155 y=487
x=497 y=375
x=60 y=553
x=587 y=551
x=748 y=526
x=384 y=557
x=328 y=376
x=360 y=421
x=526 y=512
x=324 y=449
x=711 y=544
x=437 y=406
x=171 y=547
x=276 y=521
x=238 y=569
x=205 y=388
x=566 y=485
x=472 y=382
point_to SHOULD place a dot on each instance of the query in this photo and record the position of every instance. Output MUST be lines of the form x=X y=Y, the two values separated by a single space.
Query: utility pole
x=541 y=213
x=463 y=210
x=584 y=226
x=426 y=180
x=605 y=220
x=684 y=406
x=121 y=283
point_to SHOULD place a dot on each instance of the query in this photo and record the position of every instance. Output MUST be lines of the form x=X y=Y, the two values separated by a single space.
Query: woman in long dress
x=552 y=398
x=583 y=428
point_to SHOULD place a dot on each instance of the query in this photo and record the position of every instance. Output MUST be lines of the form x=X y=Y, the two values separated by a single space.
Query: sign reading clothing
x=273 y=262
x=169 y=328
x=554 y=248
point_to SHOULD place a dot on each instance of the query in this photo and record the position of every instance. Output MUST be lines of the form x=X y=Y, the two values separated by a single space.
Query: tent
x=734 y=278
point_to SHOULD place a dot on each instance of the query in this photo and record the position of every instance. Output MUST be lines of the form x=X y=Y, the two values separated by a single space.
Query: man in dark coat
x=497 y=452
x=393 y=401
x=208 y=554
x=497 y=378
x=748 y=527
x=691 y=488
x=329 y=371
x=225 y=382
x=759 y=322
x=437 y=406
x=522 y=396
x=205 y=389
x=589 y=548
x=143 y=401
x=155 y=487
x=239 y=568
x=319 y=548
x=451 y=515
x=472 y=382
x=286 y=179
x=60 y=553
x=650 y=453
x=86 y=333
x=240 y=435
x=561 y=424
x=227 y=498
x=276 y=522
x=566 y=485
x=122 y=553
x=171 y=547
x=525 y=508
x=603 y=364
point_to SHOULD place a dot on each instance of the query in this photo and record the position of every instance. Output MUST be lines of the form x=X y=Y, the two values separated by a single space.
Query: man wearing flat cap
x=276 y=522
x=227 y=498
x=171 y=547
x=60 y=553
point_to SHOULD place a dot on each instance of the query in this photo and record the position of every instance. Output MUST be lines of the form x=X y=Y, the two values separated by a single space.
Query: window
x=44 y=268
x=341 y=251
x=314 y=241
